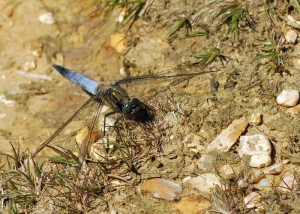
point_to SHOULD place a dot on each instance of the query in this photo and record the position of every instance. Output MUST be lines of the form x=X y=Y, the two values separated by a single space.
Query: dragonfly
x=115 y=97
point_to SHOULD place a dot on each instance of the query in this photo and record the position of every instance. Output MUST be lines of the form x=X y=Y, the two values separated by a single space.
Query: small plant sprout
x=179 y=25
x=232 y=12
x=271 y=51
x=185 y=23
x=210 y=57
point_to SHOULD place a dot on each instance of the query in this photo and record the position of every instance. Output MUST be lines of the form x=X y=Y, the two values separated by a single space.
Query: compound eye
x=131 y=107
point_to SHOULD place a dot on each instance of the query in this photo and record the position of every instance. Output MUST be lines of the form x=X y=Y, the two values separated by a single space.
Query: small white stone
x=36 y=53
x=186 y=179
x=206 y=162
x=254 y=145
x=255 y=119
x=121 y=16
x=257 y=173
x=260 y=161
x=36 y=49
x=288 y=98
x=227 y=170
x=253 y=200
x=288 y=182
x=161 y=188
x=29 y=66
x=205 y=182
x=291 y=36
x=193 y=142
x=6 y=101
x=258 y=147
x=47 y=18
x=265 y=183
x=274 y=169
x=286 y=161
x=122 y=71
x=243 y=183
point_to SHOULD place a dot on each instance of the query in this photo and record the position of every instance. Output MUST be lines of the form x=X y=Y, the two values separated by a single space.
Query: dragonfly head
x=131 y=107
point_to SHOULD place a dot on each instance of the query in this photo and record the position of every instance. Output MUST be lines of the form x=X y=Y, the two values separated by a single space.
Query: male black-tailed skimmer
x=115 y=97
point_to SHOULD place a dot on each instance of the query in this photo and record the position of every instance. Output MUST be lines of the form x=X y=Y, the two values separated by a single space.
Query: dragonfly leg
x=118 y=119
x=107 y=115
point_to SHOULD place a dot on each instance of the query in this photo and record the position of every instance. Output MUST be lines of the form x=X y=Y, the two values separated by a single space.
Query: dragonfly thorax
x=119 y=101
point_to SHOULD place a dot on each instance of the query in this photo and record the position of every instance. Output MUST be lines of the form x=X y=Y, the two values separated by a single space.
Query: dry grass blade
x=66 y=156
x=23 y=182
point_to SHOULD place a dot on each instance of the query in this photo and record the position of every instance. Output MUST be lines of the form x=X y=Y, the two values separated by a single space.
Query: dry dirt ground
x=85 y=36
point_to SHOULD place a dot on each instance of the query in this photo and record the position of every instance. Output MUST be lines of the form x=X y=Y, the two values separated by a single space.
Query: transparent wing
x=88 y=108
x=147 y=87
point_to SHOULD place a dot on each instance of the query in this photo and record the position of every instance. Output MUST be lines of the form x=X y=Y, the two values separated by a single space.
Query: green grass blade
x=239 y=12
x=225 y=9
x=177 y=27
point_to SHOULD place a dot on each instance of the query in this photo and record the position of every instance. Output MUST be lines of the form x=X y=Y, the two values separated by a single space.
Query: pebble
x=191 y=205
x=122 y=71
x=288 y=98
x=206 y=162
x=47 y=18
x=193 y=142
x=291 y=36
x=36 y=48
x=205 y=182
x=186 y=179
x=117 y=42
x=265 y=183
x=255 y=119
x=226 y=171
x=59 y=58
x=6 y=101
x=227 y=138
x=253 y=200
x=243 y=184
x=258 y=147
x=121 y=16
x=260 y=160
x=287 y=182
x=273 y=169
x=29 y=66
x=161 y=188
